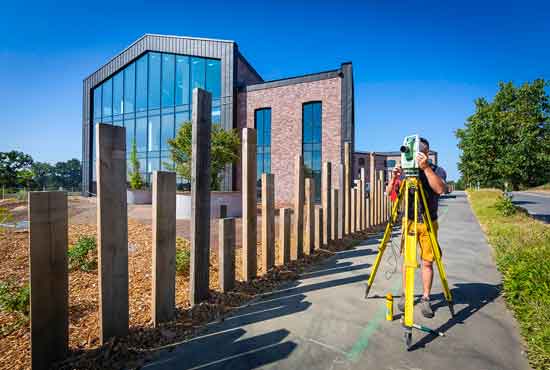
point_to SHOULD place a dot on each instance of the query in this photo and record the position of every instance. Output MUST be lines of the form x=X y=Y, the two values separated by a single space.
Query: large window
x=311 y=143
x=152 y=97
x=262 y=123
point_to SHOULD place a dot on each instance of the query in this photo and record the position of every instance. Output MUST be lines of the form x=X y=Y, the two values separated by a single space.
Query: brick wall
x=286 y=127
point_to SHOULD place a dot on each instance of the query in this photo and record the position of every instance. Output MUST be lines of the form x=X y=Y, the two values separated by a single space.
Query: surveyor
x=433 y=180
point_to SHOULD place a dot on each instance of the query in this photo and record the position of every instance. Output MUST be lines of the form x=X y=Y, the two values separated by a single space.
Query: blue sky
x=418 y=65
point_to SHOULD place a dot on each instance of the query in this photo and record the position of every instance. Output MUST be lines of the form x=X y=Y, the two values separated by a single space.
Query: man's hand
x=422 y=160
x=397 y=172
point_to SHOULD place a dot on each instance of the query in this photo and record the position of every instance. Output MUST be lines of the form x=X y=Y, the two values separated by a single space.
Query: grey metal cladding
x=201 y=47
x=294 y=80
x=348 y=113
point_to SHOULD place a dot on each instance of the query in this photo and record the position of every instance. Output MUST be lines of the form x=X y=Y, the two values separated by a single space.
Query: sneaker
x=426 y=308
x=401 y=303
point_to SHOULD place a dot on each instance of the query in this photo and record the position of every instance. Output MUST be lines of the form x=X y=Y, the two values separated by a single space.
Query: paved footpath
x=322 y=321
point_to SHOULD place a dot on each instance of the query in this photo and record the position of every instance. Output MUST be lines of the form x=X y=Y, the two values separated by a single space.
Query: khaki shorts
x=426 y=250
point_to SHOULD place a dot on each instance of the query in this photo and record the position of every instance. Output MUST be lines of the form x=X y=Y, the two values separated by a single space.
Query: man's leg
x=427 y=278
x=427 y=272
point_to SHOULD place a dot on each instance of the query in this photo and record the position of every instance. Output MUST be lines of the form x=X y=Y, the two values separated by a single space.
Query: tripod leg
x=384 y=242
x=436 y=252
x=410 y=260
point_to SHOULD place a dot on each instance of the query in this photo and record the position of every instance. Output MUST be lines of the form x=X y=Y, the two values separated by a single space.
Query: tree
x=68 y=174
x=508 y=140
x=136 y=182
x=224 y=150
x=43 y=175
x=11 y=164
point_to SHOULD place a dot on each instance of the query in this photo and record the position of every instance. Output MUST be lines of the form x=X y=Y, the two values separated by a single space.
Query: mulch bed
x=142 y=342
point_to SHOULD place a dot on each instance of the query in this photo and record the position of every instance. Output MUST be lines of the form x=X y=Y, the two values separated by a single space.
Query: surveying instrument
x=411 y=189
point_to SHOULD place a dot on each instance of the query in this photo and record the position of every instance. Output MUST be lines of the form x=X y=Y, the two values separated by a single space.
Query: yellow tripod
x=410 y=247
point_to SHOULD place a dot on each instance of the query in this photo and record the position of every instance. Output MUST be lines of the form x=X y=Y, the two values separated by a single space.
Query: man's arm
x=436 y=183
x=396 y=174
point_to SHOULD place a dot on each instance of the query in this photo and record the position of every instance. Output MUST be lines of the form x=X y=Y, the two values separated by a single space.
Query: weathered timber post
x=284 y=236
x=249 y=219
x=367 y=213
x=358 y=208
x=226 y=253
x=326 y=186
x=268 y=221
x=200 y=196
x=353 y=204
x=164 y=247
x=296 y=250
x=112 y=231
x=372 y=190
x=49 y=277
x=341 y=190
x=363 y=200
x=347 y=188
x=309 y=225
x=334 y=217
x=382 y=198
x=319 y=227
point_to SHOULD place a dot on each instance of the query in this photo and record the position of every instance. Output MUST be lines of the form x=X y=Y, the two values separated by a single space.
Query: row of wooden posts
x=344 y=210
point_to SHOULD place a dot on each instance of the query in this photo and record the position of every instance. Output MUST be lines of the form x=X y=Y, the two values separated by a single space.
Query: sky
x=418 y=65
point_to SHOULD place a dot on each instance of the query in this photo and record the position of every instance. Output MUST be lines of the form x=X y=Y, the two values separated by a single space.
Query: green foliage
x=224 y=150
x=183 y=256
x=5 y=215
x=66 y=175
x=12 y=165
x=505 y=207
x=136 y=182
x=522 y=249
x=82 y=254
x=14 y=298
x=508 y=140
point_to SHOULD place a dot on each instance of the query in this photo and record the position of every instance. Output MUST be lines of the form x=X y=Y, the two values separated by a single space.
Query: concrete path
x=323 y=322
x=536 y=203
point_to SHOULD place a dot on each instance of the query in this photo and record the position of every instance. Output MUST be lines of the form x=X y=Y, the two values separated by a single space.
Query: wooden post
x=49 y=277
x=381 y=187
x=268 y=221
x=372 y=195
x=319 y=227
x=326 y=186
x=296 y=250
x=334 y=218
x=226 y=253
x=309 y=225
x=358 y=209
x=200 y=196
x=341 y=190
x=284 y=236
x=249 y=219
x=363 y=200
x=112 y=231
x=367 y=213
x=347 y=188
x=353 y=204
x=164 y=247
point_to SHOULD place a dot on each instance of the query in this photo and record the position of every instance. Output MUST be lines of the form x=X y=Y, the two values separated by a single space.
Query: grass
x=183 y=256
x=81 y=254
x=545 y=187
x=522 y=251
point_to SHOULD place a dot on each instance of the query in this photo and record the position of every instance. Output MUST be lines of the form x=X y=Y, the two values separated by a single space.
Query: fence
x=344 y=209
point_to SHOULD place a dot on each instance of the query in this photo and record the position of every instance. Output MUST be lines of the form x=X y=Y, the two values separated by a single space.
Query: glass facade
x=262 y=124
x=311 y=143
x=151 y=97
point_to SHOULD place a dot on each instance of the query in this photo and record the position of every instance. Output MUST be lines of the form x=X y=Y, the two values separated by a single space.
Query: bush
x=15 y=298
x=505 y=207
x=82 y=254
x=183 y=256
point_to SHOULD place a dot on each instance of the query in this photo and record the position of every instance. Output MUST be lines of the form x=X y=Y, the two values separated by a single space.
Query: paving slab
x=322 y=321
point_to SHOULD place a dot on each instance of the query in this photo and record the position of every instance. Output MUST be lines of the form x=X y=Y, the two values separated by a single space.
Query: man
x=433 y=181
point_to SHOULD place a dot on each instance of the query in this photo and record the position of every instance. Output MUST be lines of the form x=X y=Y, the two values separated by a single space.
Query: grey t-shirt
x=432 y=198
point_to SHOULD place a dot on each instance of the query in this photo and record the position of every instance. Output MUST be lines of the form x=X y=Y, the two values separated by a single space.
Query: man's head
x=424 y=146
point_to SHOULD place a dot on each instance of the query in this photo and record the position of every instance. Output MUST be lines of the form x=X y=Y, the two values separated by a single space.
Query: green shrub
x=505 y=207
x=5 y=215
x=136 y=182
x=81 y=255
x=183 y=256
x=14 y=298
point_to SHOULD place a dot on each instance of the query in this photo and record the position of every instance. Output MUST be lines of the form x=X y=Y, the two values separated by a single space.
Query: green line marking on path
x=363 y=342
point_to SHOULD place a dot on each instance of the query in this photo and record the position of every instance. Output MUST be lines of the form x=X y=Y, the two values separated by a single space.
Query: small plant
x=136 y=182
x=5 y=215
x=505 y=207
x=81 y=255
x=14 y=298
x=183 y=256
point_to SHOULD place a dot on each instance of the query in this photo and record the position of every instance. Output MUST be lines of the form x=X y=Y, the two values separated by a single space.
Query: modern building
x=147 y=89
